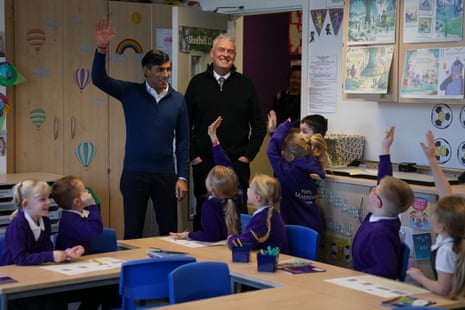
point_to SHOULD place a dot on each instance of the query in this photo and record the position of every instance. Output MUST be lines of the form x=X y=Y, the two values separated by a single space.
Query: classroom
x=73 y=128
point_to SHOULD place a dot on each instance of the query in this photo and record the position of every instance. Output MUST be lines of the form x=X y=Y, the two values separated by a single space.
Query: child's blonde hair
x=225 y=183
x=397 y=195
x=450 y=212
x=65 y=190
x=269 y=190
x=296 y=147
x=319 y=148
x=26 y=189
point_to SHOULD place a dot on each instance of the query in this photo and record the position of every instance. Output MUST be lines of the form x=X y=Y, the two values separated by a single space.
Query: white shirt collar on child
x=36 y=229
x=83 y=214
x=260 y=210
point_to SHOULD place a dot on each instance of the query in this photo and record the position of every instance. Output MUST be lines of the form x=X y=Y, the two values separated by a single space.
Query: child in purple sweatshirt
x=293 y=160
x=266 y=228
x=376 y=247
x=220 y=212
x=80 y=220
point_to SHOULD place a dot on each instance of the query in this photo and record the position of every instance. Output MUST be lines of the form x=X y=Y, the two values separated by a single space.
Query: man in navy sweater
x=222 y=91
x=156 y=115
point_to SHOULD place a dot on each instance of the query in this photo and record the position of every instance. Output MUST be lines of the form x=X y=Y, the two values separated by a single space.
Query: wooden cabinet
x=63 y=124
x=61 y=120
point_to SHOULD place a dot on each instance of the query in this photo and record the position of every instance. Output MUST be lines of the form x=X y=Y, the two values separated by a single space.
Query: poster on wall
x=372 y=22
x=295 y=33
x=432 y=21
x=367 y=69
x=420 y=212
x=196 y=39
x=433 y=73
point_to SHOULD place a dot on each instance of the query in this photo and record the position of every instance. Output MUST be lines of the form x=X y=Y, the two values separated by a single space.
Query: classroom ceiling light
x=218 y=8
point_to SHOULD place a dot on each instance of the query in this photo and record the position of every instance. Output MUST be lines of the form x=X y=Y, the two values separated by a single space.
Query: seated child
x=80 y=223
x=28 y=241
x=220 y=212
x=293 y=160
x=27 y=237
x=376 y=247
x=447 y=222
x=266 y=228
x=80 y=220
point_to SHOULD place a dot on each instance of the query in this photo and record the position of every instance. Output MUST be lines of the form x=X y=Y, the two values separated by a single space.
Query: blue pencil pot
x=240 y=254
x=266 y=263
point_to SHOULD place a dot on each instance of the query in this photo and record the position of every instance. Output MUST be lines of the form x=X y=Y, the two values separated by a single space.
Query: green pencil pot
x=266 y=263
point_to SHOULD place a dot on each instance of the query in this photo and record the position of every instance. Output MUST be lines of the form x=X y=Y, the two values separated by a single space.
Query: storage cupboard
x=62 y=123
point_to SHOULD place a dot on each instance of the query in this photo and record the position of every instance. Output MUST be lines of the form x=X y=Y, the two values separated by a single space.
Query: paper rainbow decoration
x=129 y=43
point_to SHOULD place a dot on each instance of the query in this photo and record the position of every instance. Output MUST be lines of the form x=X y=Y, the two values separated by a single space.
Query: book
x=6 y=279
x=296 y=266
x=422 y=246
x=163 y=253
x=405 y=301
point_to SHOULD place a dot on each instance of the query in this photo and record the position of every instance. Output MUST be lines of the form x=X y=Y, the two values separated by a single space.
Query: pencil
x=97 y=262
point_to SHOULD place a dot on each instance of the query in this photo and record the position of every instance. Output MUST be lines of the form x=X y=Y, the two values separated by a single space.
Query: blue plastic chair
x=245 y=220
x=302 y=241
x=404 y=262
x=105 y=242
x=198 y=281
x=147 y=279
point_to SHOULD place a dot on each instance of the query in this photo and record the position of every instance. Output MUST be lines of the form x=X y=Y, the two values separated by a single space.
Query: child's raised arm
x=387 y=141
x=385 y=165
x=440 y=179
x=212 y=129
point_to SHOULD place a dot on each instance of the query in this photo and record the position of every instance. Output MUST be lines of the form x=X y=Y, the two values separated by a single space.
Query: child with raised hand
x=447 y=222
x=266 y=228
x=80 y=220
x=376 y=247
x=27 y=237
x=294 y=159
x=220 y=212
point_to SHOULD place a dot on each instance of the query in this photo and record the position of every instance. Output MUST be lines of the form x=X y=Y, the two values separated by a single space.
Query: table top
x=296 y=291
x=34 y=277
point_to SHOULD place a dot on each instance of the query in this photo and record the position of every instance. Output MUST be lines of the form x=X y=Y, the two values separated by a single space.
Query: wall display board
x=428 y=50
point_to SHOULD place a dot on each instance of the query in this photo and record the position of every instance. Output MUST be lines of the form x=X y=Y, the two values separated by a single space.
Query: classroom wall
x=370 y=119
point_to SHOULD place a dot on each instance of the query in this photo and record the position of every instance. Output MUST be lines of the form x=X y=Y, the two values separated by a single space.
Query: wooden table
x=34 y=280
x=284 y=290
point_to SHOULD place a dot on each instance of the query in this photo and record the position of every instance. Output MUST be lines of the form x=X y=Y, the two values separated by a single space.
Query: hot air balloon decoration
x=37 y=117
x=81 y=77
x=36 y=38
x=85 y=153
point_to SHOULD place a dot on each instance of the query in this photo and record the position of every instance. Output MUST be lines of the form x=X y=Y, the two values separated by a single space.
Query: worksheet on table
x=378 y=286
x=83 y=266
x=192 y=243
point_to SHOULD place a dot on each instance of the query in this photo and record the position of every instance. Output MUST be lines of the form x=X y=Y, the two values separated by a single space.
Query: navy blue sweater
x=150 y=126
